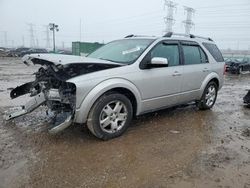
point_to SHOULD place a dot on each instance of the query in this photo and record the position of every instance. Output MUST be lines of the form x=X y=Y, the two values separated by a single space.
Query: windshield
x=124 y=51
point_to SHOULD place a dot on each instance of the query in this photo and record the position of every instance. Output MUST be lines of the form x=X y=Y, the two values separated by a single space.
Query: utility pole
x=53 y=27
x=23 y=41
x=37 y=43
x=5 y=38
x=32 y=36
x=63 y=46
x=47 y=28
x=169 y=19
x=188 y=22
x=80 y=29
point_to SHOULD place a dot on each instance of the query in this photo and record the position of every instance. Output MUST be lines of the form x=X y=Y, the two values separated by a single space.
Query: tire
x=210 y=91
x=110 y=116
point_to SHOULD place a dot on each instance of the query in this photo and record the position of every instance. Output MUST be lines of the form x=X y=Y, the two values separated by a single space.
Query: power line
x=219 y=6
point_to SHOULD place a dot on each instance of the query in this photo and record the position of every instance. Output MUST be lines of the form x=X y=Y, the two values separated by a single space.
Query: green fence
x=84 y=48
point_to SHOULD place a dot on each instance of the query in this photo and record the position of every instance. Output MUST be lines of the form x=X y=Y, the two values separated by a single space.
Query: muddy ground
x=180 y=147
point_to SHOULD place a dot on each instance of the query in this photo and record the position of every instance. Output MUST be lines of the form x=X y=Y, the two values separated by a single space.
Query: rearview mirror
x=159 y=62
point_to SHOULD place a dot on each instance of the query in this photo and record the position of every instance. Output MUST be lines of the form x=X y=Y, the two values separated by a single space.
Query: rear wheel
x=209 y=96
x=110 y=116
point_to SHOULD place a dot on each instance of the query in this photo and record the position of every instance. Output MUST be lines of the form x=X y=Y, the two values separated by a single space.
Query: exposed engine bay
x=51 y=88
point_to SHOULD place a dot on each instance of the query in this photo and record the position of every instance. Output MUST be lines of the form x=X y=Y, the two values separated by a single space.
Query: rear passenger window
x=193 y=55
x=214 y=51
x=168 y=51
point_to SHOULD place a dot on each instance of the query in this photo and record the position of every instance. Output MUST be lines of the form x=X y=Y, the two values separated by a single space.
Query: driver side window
x=168 y=51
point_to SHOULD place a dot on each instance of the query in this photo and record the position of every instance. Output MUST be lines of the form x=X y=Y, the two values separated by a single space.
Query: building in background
x=84 y=48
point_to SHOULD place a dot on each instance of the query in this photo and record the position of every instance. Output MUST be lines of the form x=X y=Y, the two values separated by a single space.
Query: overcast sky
x=226 y=21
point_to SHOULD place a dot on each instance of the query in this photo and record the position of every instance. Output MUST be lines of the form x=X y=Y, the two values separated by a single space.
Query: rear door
x=196 y=68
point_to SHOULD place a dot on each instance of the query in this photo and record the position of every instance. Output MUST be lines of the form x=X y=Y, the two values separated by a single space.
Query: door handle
x=176 y=73
x=205 y=70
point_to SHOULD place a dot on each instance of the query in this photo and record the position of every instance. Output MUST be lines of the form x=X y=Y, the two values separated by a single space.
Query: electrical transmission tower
x=188 y=23
x=37 y=43
x=5 y=38
x=32 y=36
x=169 y=19
x=47 y=31
x=23 y=41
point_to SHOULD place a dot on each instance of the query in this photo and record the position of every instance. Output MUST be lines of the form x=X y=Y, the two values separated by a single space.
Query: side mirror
x=159 y=62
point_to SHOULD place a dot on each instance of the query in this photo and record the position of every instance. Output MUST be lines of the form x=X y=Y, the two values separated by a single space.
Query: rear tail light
x=225 y=67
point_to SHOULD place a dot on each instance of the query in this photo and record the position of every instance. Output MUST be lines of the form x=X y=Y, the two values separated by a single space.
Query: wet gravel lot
x=180 y=147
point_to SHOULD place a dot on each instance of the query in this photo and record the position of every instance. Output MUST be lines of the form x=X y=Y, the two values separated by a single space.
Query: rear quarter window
x=214 y=51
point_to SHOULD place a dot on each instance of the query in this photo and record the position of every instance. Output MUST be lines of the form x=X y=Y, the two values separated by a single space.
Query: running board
x=30 y=106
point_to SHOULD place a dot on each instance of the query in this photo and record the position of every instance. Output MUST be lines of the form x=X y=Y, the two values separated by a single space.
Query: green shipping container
x=84 y=48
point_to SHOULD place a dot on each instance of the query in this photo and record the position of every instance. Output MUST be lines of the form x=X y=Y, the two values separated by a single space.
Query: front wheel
x=209 y=96
x=110 y=116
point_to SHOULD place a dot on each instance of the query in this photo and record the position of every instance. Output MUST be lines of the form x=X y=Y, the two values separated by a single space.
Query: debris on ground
x=246 y=132
x=174 y=132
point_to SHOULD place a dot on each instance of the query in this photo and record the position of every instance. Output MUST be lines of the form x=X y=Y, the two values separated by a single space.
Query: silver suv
x=122 y=79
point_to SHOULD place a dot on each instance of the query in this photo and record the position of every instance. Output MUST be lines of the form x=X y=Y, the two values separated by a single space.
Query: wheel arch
x=216 y=81
x=118 y=85
x=211 y=77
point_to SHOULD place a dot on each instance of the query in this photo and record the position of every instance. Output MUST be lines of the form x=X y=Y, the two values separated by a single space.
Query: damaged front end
x=50 y=88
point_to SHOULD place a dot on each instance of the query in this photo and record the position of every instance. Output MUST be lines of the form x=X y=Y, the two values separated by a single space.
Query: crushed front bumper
x=30 y=106
x=60 y=121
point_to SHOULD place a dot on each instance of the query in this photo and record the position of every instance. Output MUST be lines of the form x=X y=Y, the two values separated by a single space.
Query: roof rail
x=170 y=34
x=132 y=35
x=129 y=36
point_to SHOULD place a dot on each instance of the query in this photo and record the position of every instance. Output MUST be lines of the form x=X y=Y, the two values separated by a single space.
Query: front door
x=160 y=86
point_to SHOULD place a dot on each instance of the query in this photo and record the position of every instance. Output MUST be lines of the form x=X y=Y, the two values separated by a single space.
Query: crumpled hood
x=65 y=67
x=58 y=59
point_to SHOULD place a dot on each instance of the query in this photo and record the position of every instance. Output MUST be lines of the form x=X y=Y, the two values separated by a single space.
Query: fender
x=209 y=77
x=81 y=114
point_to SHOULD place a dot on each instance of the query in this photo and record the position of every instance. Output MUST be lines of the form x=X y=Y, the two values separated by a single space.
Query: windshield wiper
x=108 y=60
x=120 y=63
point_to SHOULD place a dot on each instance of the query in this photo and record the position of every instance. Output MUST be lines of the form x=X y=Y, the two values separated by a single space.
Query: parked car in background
x=122 y=79
x=18 y=51
x=65 y=52
x=238 y=65
x=33 y=51
x=5 y=52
